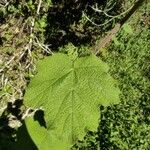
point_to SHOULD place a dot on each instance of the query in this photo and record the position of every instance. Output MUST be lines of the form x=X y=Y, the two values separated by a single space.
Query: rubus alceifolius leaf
x=70 y=92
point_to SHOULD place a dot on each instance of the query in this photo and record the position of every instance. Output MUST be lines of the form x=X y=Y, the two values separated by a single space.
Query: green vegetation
x=128 y=124
x=70 y=91
x=33 y=29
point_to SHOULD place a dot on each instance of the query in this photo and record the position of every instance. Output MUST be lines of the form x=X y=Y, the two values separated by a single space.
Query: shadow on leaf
x=24 y=140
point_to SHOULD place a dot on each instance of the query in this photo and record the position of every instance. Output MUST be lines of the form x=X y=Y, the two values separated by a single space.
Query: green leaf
x=127 y=28
x=116 y=42
x=44 y=140
x=70 y=92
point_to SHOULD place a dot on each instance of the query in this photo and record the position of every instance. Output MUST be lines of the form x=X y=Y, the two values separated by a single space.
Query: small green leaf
x=42 y=23
x=116 y=42
x=127 y=28
x=70 y=92
x=49 y=2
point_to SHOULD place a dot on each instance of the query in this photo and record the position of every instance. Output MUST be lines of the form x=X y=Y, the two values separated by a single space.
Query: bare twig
x=105 y=12
x=43 y=46
x=7 y=64
x=98 y=25
x=29 y=45
x=4 y=3
x=39 y=6
x=111 y=16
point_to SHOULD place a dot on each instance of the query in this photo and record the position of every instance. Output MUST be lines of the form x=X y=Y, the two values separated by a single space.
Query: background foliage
x=28 y=33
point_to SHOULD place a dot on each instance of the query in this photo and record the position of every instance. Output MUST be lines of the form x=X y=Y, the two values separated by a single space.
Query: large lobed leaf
x=70 y=92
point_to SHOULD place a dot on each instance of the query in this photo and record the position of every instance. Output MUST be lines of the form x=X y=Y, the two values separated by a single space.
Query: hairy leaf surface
x=70 y=92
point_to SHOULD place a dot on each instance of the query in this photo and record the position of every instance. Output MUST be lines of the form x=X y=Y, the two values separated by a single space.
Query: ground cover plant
x=31 y=30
